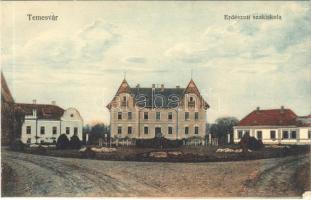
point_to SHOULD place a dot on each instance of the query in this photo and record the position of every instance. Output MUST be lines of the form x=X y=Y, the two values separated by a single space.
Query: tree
x=99 y=130
x=75 y=142
x=62 y=142
x=223 y=127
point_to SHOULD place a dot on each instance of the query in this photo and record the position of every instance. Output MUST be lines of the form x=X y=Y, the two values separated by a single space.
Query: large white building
x=275 y=126
x=145 y=113
x=44 y=123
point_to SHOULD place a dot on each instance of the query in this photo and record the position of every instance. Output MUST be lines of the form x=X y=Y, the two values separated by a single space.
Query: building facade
x=7 y=113
x=145 y=113
x=275 y=126
x=44 y=123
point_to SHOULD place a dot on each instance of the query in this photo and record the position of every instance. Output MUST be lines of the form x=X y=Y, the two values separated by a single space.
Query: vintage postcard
x=175 y=99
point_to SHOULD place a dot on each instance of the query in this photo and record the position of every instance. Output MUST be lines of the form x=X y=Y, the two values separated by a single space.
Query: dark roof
x=159 y=95
x=163 y=97
x=272 y=117
x=5 y=91
x=44 y=111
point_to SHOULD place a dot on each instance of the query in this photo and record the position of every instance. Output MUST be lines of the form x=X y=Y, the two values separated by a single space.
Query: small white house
x=275 y=126
x=44 y=123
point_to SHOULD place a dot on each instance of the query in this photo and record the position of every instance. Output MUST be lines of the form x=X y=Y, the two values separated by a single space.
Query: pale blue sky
x=79 y=60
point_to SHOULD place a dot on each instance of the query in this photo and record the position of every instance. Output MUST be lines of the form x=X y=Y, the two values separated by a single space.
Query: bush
x=251 y=143
x=62 y=142
x=17 y=145
x=75 y=142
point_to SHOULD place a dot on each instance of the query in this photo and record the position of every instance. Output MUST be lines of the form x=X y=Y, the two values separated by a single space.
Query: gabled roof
x=272 y=117
x=44 y=111
x=5 y=91
x=166 y=93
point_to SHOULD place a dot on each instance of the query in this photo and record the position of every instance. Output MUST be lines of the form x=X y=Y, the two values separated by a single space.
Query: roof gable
x=124 y=88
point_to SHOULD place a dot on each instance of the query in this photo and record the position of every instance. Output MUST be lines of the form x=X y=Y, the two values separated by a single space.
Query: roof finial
x=191 y=73
x=124 y=74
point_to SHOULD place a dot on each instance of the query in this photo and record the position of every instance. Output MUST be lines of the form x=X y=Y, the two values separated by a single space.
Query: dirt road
x=36 y=175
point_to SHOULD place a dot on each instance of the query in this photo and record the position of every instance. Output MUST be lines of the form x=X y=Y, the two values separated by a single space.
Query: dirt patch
x=302 y=178
x=7 y=180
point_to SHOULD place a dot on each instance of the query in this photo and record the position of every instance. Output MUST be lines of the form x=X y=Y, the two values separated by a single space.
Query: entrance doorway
x=158 y=132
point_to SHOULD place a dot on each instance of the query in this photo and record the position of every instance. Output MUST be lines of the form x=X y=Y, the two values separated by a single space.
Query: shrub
x=251 y=143
x=62 y=142
x=75 y=142
x=17 y=145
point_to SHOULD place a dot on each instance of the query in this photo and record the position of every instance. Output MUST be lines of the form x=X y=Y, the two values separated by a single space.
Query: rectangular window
x=272 y=134
x=146 y=115
x=285 y=134
x=146 y=130
x=196 y=115
x=170 y=130
x=129 y=130
x=28 y=129
x=259 y=135
x=186 y=130
x=240 y=134
x=54 y=130
x=129 y=115
x=119 y=115
x=158 y=115
x=309 y=134
x=67 y=130
x=75 y=131
x=196 y=130
x=246 y=132
x=170 y=116
x=42 y=130
x=28 y=140
x=186 y=115
x=293 y=135
x=119 y=129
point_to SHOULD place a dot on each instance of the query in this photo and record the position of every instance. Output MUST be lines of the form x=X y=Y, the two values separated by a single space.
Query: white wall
x=301 y=134
x=71 y=118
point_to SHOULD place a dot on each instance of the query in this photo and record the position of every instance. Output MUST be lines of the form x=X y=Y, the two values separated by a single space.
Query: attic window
x=191 y=99
x=71 y=115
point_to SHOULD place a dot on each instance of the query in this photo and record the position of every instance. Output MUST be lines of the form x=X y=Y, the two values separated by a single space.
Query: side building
x=7 y=114
x=275 y=126
x=44 y=123
x=145 y=113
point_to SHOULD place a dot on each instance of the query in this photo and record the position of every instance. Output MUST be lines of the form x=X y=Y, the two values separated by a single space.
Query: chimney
x=257 y=109
x=282 y=109
x=177 y=86
x=162 y=87
x=34 y=101
x=54 y=103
